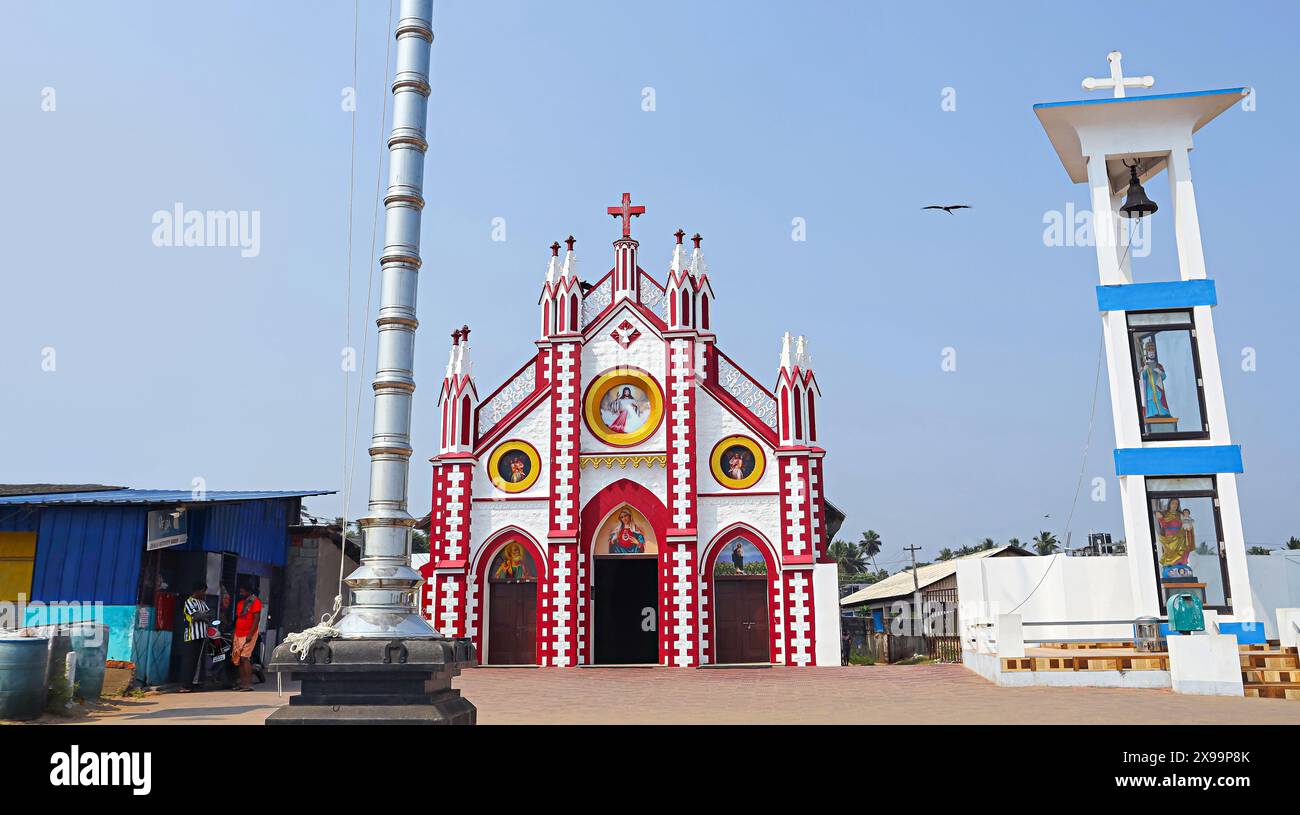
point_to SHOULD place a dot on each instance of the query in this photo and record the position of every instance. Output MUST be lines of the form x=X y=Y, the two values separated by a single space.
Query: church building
x=632 y=495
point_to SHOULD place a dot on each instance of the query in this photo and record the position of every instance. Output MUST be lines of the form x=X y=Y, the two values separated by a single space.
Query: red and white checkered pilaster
x=800 y=540
x=443 y=597
x=679 y=637
x=560 y=629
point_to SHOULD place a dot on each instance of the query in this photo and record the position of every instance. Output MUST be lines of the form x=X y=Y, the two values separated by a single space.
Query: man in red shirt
x=248 y=617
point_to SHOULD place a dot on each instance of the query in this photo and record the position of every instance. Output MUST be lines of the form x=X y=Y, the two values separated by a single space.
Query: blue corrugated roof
x=156 y=496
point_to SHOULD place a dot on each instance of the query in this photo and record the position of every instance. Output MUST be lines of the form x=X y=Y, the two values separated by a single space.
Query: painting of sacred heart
x=624 y=408
x=625 y=532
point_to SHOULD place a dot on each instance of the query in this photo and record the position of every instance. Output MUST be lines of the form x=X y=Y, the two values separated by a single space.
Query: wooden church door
x=512 y=611
x=742 y=631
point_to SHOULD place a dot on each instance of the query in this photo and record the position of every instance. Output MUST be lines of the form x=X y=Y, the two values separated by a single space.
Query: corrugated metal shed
x=119 y=496
x=901 y=584
x=257 y=530
x=89 y=553
x=90 y=544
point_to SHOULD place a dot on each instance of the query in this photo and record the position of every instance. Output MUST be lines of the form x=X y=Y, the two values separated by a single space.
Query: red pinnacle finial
x=570 y=241
x=455 y=337
x=464 y=332
x=696 y=239
x=679 y=234
x=555 y=249
x=626 y=211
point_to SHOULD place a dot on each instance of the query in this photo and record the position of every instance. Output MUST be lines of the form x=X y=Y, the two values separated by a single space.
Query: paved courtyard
x=894 y=694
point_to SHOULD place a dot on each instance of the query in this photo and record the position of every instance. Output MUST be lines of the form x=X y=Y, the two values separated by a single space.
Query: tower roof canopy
x=1132 y=116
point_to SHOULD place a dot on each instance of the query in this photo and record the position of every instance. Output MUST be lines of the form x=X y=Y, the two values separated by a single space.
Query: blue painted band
x=1149 y=98
x=1147 y=296
x=1224 y=458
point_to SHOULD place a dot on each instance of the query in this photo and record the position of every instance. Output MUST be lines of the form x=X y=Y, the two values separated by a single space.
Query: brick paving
x=894 y=694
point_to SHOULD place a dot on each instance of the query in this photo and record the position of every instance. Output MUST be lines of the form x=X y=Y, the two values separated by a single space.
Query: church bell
x=1136 y=203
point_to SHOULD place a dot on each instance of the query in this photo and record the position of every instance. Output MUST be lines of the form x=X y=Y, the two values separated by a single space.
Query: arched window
x=812 y=417
x=686 y=307
x=704 y=312
x=465 y=418
x=573 y=313
x=513 y=564
x=546 y=317
x=672 y=309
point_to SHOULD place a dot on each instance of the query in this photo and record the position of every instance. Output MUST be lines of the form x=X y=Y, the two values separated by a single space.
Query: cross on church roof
x=626 y=211
x=1117 y=79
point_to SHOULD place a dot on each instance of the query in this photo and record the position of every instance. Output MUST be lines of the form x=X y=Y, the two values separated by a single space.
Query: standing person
x=197 y=616
x=248 y=618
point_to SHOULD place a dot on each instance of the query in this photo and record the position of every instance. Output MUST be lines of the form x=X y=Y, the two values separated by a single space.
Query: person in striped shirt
x=197 y=616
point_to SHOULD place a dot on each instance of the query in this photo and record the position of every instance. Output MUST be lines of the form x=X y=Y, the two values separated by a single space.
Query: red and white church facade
x=632 y=495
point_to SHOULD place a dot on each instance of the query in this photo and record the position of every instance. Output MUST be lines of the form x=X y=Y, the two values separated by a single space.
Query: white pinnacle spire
x=552 y=269
x=679 y=261
x=698 y=267
x=802 y=358
x=570 y=268
x=786 y=363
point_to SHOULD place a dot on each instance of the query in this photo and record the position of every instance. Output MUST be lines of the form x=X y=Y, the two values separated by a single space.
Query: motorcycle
x=221 y=669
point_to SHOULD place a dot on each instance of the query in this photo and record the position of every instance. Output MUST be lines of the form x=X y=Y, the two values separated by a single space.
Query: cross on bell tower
x=627 y=282
x=627 y=212
x=1117 y=79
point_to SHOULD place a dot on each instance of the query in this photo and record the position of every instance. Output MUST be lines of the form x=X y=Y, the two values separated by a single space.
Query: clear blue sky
x=181 y=362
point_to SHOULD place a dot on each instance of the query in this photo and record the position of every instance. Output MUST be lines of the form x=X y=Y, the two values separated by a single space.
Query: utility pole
x=916 y=597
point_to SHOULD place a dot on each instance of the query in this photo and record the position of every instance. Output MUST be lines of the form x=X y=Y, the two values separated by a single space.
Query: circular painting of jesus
x=623 y=407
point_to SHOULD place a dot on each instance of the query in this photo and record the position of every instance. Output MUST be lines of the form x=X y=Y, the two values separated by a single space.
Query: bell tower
x=1174 y=456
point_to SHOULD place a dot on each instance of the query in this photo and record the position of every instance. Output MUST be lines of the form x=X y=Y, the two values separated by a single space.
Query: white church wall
x=713 y=422
x=826 y=604
x=1091 y=593
x=534 y=428
x=602 y=352
x=1275 y=581
x=595 y=479
x=489 y=517
x=762 y=512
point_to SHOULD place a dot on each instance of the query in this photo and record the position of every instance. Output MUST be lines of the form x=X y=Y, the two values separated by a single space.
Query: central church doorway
x=512 y=607
x=627 y=611
x=625 y=602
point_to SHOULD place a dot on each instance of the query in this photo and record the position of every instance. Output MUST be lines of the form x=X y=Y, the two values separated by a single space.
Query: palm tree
x=1258 y=550
x=987 y=543
x=848 y=556
x=1015 y=542
x=1045 y=543
x=945 y=554
x=870 y=545
x=1293 y=543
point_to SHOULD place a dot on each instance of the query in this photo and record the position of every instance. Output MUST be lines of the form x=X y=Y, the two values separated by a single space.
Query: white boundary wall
x=1091 y=589
x=1074 y=589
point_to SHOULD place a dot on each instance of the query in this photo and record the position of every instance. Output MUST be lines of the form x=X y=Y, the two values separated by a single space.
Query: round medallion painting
x=514 y=466
x=737 y=462
x=623 y=407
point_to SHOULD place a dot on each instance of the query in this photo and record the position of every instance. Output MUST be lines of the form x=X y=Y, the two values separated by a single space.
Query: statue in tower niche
x=1155 y=404
x=1177 y=538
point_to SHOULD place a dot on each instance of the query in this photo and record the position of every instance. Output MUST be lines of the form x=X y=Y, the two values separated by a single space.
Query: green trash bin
x=22 y=677
x=1186 y=614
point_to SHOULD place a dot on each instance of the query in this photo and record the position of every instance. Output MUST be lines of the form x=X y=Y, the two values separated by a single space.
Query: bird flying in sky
x=948 y=209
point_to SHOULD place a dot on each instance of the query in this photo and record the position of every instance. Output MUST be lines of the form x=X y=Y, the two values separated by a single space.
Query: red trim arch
x=498 y=539
x=726 y=536
x=596 y=510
